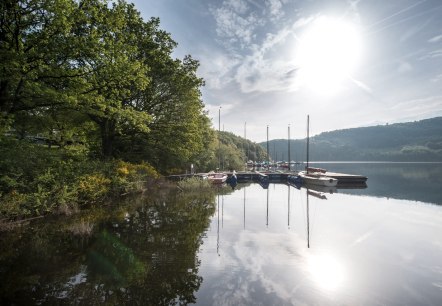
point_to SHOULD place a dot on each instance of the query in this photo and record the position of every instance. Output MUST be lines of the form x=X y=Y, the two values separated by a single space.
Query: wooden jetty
x=344 y=180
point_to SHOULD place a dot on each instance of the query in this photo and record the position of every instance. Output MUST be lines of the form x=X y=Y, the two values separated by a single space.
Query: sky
x=345 y=63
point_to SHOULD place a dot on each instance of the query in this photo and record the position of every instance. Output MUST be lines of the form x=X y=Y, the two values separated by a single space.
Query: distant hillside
x=411 y=141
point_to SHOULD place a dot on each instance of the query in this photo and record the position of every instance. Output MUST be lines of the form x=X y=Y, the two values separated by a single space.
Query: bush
x=93 y=187
x=194 y=183
x=36 y=180
x=133 y=177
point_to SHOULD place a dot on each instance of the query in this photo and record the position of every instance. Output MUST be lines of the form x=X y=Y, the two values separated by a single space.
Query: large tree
x=68 y=64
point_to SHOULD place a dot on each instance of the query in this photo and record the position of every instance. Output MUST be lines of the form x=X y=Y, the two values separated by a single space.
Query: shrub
x=194 y=183
x=93 y=187
x=133 y=177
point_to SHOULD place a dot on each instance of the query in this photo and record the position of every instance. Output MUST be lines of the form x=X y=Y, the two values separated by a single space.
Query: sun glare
x=326 y=272
x=328 y=52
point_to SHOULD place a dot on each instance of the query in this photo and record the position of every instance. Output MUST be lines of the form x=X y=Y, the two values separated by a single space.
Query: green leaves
x=98 y=72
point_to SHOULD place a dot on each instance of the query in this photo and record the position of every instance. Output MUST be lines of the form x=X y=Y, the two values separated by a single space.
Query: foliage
x=93 y=187
x=96 y=73
x=232 y=152
x=36 y=180
x=193 y=184
x=91 y=101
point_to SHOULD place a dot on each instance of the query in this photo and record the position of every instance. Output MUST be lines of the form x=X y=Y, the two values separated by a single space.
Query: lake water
x=379 y=245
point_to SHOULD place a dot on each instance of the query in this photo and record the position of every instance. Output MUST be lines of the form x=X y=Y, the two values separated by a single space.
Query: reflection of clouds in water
x=265 y=260
x=412 y=216
x=362 y=238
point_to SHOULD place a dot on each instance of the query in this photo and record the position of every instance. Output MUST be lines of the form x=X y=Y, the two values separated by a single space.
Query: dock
x=347 y=179
x=265 y=177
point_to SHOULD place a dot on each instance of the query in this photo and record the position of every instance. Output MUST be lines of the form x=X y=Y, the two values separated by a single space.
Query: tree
x=72 y=69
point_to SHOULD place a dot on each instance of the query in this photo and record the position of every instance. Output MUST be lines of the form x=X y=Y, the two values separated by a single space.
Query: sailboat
x=315 y=176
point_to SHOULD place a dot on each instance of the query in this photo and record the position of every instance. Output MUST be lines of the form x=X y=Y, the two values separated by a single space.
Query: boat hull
x=217 y=178
x=319 y=180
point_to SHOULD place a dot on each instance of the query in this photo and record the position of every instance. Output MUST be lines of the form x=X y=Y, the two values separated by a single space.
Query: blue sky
x=346 y=63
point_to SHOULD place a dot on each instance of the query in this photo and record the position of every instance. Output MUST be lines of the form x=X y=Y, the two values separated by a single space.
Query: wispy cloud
x=419 y=108
x=257 y=50
x=432 y=54
x=219 y=73
x=435 y=39
x=362 y=86
x=414 y=30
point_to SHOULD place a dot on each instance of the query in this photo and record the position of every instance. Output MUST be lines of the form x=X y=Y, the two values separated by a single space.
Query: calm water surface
x=380 y=245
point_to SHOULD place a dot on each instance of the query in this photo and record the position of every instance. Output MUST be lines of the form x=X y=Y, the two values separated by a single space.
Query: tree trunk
x=107 y=127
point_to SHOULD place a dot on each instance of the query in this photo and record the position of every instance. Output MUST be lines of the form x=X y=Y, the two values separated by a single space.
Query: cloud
x=264 y=75
x=414 y=30
x=404 y=67
x=243 y=29
x=217 y=70
x=435 y=39
x=432 y=54
x=437 y=78
x=235 y=23
x=362 y=86
x=275 y=7
x=255 y=261
x=419 y=108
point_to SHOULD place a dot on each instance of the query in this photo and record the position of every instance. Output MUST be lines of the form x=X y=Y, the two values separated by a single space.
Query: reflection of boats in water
x=264 y=183
x=295 y=181
x=316 y=194
x=324 y=189
x=217 y=178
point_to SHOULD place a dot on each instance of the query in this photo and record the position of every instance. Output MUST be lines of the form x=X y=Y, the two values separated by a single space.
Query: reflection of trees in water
x=145 y=253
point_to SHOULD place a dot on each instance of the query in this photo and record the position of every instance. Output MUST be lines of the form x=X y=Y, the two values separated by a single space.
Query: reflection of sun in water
x=328 y=51
x=326 y=271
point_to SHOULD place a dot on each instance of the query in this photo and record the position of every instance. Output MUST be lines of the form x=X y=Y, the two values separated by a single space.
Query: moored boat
x=217 y=178
x=317 y=179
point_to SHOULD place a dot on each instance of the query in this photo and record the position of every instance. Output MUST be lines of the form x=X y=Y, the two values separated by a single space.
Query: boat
x=217 y=177
x=232 y=180
x=315 y=176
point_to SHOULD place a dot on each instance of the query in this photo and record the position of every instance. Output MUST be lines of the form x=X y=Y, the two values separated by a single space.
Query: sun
x=328 y=52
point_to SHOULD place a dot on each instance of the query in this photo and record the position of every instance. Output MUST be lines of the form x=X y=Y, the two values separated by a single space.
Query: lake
x=379 y=245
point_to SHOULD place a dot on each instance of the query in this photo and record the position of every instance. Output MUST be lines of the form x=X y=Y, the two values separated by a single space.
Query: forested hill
x=411 y=141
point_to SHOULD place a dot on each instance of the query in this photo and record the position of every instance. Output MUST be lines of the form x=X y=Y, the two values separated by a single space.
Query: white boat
x=317 y=179
x=217 y=178
x=315 y=176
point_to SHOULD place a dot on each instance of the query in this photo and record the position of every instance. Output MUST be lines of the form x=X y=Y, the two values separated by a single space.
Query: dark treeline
x=411 y=141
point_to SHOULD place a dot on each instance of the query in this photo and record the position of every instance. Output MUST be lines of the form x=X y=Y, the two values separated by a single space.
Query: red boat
x=217 y=178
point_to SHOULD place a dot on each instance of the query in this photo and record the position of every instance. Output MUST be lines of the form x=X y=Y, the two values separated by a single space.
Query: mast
x=219 y=138
x=308 y=139
x=268 y=152
x=289 y=145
